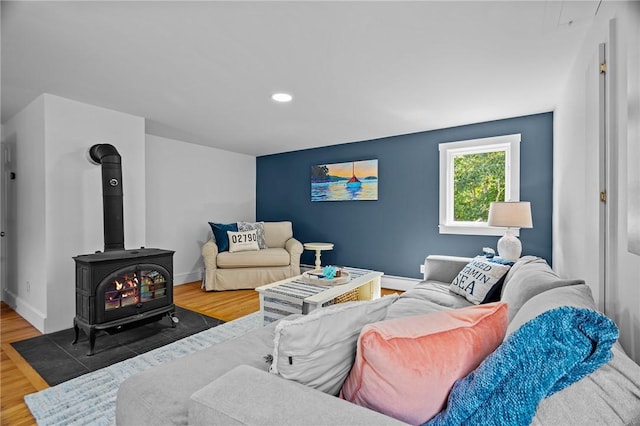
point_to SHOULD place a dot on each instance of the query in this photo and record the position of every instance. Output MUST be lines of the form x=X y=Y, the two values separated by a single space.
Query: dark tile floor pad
x=57 y=360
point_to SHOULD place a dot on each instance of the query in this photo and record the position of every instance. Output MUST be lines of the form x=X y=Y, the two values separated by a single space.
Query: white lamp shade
x=510 y=214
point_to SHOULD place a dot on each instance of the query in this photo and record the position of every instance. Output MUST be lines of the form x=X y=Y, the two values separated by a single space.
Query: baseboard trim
x=25 y=310
x=390 y=282
x=188 y=277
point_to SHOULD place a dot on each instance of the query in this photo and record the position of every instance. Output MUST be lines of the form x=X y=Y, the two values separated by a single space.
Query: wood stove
x=118 y=286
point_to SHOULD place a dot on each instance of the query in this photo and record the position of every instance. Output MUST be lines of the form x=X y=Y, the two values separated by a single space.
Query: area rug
x=57 y=360
x=91 y=399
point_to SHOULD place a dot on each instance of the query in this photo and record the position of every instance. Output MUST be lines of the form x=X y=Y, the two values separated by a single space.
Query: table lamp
x=510 y=215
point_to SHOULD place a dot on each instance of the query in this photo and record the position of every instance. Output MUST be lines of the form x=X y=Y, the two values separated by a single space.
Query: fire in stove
x=123 y=292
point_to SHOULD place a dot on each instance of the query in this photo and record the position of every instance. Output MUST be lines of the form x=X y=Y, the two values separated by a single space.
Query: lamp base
x=509 y=246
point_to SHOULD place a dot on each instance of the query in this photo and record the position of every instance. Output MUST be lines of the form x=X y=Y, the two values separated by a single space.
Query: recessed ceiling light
x=281 y=97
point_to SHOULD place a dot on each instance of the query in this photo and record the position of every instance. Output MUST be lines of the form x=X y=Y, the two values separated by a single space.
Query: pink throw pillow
x=406 y=367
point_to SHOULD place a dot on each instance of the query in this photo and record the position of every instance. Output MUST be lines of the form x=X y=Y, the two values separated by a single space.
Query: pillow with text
x=243 y=241
x=479 y=280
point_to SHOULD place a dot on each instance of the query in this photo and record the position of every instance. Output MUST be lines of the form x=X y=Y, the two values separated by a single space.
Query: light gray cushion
x=412 y=307
x=610 y=395
x=578 y=296
x=247 y=396
x=426 y=297
x=436 y=292
x=528 y=277
x=318 y=349
x=443 y=268
x=160 y=395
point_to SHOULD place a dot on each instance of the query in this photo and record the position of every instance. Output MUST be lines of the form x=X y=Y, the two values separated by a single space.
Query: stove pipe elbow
x=104 y=152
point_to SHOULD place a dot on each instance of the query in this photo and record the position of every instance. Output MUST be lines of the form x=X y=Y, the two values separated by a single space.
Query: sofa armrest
x=294 y=247
x=443 y=268
x=248 y=396
x=210 y=254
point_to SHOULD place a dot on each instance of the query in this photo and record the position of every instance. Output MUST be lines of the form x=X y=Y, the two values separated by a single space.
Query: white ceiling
x=203 y=72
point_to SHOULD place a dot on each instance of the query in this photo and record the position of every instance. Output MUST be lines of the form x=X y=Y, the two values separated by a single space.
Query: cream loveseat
x=250 y=269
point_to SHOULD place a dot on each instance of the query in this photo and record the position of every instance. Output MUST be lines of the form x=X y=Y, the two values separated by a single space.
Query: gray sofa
x=229 y=383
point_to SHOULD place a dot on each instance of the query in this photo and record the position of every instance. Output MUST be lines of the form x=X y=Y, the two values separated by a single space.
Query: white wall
x=25 y=288
x=171 y=190
x=59 y=209
x=623 y=295
x=576 y=184
x=187 y=186
x=74 y=214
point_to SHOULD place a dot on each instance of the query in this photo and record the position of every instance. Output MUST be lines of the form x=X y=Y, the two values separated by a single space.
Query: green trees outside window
x=473 y=174
x=479 y=179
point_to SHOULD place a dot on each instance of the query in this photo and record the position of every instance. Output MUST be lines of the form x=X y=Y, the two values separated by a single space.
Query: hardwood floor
x=224 y=305
x=18 y=379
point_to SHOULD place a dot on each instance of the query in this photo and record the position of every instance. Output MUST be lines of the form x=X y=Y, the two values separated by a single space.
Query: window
x=474 y=173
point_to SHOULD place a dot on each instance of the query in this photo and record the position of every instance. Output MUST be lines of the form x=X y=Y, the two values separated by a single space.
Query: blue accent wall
x=395 y=233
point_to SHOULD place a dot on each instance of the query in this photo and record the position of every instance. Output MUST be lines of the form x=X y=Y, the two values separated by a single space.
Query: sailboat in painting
x=353 y=182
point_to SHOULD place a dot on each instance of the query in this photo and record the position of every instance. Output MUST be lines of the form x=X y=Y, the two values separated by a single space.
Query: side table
x=318 y=247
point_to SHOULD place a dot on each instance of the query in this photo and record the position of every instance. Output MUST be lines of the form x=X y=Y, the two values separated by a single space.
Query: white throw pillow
x=243 y=241
x=477 y=279
x=318 y=349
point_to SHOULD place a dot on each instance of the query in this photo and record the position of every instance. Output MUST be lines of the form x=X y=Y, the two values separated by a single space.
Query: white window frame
x=510 y=144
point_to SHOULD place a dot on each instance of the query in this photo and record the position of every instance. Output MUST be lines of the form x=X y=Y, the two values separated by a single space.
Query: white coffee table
x=318 y=247
x=297 y=295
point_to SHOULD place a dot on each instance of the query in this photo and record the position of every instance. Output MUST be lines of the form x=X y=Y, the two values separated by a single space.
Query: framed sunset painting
x=351 y=181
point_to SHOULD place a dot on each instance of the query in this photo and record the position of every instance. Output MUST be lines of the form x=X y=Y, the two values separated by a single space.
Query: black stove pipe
x=107 y=155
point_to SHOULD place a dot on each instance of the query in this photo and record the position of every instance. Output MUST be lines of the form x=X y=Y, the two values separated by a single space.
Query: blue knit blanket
x=544 y=356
